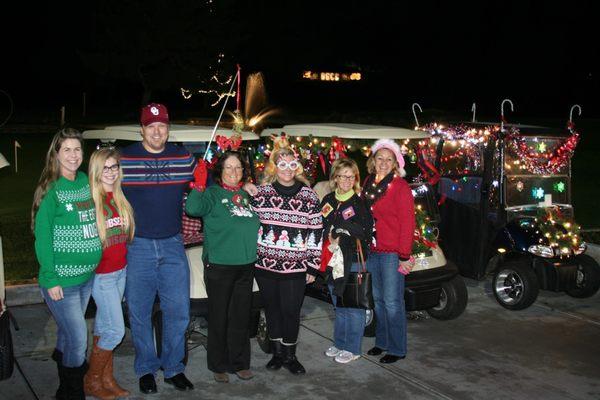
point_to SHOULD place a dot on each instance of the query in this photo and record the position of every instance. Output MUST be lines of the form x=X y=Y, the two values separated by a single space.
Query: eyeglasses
x=347 y=177
x=292 y=165
x=110 y=168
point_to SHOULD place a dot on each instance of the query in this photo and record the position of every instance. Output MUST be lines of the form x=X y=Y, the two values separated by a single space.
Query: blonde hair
x=371 y=164
x=339 y=165
x=96 y=168
x=281 y=148
x=51 y=171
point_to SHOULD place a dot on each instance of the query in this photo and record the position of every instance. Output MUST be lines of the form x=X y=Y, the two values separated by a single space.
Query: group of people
x=117 y=233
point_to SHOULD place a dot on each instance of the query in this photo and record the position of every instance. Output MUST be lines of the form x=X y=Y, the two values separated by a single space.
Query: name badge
x=326 y=210
x=348 y=213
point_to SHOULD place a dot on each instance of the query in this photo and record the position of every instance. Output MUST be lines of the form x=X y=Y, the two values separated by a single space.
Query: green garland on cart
x=425 y=237
x=562 y=233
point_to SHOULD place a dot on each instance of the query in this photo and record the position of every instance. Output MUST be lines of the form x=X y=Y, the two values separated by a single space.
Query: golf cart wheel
x=453 y=300
x=262 y=334
x=371 y=324
x=515 y=285
x=587 y=278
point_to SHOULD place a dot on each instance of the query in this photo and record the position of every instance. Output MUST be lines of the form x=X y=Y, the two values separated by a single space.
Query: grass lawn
x=17 y=191
x=15 y=202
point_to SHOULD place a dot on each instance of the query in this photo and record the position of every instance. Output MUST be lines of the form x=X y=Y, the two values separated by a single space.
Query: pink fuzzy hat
x=391 y=146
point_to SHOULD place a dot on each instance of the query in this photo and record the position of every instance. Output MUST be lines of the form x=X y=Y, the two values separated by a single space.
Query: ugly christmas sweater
x=392 y=205
x=230 y=225
x=114 y=255
x=67 y=245
x=289 y=237
x=154 y=184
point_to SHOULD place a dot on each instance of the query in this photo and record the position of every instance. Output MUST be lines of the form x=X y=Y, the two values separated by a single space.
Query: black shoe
x=147 y=384
x=375 y=351
x=388 y=359
x=276 y=361
x=180 y=382
x=290 y=362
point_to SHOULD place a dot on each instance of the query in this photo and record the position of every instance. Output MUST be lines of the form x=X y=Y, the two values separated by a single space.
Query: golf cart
x=434 y=284
x=195 y=139
x=507 y=210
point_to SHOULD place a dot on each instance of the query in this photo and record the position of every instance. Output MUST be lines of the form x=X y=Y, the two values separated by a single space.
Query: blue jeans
x=69 y=314
x=349 y=324
x=158 y=266
x=388 y=294
x=108 y=292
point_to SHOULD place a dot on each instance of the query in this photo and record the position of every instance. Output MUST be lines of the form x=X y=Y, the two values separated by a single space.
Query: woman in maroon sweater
x=392 y=205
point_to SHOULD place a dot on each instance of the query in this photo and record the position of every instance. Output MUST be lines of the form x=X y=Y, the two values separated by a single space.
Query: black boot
x=290 y=362
x=61 y=392
x=277 y=360
x=74 y=382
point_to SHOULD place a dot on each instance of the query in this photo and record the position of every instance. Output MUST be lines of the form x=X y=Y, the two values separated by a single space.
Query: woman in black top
x=346 y=222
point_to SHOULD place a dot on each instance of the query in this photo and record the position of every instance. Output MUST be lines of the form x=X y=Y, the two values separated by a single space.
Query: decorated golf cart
x=506 y=208
x=434 y=284
x=196 y=140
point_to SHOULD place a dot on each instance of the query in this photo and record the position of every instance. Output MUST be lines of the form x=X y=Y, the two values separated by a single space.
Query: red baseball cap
x=154 y=112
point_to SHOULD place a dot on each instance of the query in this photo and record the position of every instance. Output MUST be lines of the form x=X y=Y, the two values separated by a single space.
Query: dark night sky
x=444 y=54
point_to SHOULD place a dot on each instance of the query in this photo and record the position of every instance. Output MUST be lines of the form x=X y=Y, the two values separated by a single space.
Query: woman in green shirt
x=230 y=232
x=68 y=250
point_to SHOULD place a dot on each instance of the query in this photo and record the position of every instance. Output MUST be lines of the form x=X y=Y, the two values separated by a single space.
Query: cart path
x=400 y=374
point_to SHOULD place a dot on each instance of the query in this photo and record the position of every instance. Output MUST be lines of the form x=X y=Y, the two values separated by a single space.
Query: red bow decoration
x=430 y=172
x=225 y=143
x=419 y=238
x=337 y=149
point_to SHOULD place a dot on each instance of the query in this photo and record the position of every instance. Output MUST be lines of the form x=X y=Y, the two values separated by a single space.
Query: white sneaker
x=332 y=351
x=345 y=357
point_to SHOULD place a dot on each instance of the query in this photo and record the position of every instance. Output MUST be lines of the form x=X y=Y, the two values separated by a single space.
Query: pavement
x=548 y=351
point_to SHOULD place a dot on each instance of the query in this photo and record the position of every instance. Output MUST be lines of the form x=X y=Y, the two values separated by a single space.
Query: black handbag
x=6 y=346
x=358 y=292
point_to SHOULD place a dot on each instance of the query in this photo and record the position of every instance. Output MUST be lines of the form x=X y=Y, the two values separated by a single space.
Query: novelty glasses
x=292 y=165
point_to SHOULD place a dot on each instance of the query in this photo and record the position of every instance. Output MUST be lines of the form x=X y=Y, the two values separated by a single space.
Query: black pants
x=282 y=300
x=229 y=289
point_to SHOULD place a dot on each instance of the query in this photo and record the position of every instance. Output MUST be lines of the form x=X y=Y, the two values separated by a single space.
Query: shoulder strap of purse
x=361 y=258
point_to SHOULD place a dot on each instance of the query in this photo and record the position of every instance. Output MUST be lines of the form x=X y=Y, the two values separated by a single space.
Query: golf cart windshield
x=526 y=183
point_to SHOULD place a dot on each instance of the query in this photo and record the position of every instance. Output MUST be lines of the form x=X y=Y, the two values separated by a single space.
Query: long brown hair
x=96 y=168
x=51 y=171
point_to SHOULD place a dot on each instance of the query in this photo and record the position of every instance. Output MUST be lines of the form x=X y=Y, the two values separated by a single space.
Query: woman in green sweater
x=68 y=250
x=230 y=232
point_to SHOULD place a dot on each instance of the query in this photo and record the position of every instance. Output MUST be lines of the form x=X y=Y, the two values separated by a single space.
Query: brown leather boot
x=108 y=379
x=92 y=381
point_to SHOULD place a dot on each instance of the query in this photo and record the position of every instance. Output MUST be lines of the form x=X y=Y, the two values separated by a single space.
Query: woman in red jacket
x=391 y=202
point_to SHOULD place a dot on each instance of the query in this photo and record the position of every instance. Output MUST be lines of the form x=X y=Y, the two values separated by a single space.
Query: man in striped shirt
x=155 y=176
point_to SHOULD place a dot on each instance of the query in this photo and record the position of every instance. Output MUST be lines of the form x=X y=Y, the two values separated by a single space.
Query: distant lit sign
x=331 y=76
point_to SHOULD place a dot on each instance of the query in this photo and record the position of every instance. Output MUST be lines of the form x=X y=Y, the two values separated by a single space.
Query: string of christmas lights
x=543 y=161
x=425 y=237
x=562 y=233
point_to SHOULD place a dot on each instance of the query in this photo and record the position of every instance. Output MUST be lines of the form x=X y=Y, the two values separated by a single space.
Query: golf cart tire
x=524 y=283
x=371 y=324
x=453 y=300
x=262 y=334
x=587 y=280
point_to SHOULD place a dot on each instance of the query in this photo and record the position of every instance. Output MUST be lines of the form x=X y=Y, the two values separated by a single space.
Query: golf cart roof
x=177 y=133
x=347 y=131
